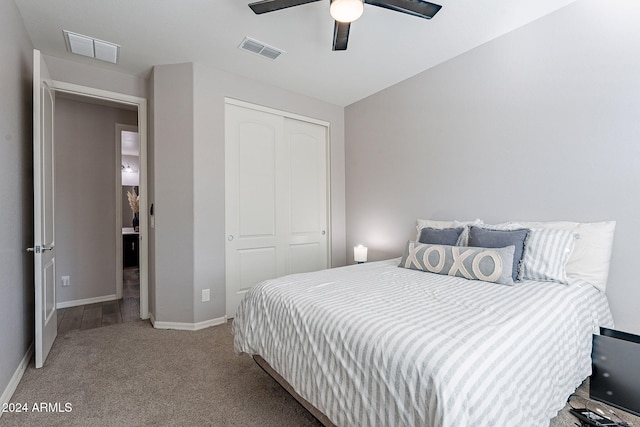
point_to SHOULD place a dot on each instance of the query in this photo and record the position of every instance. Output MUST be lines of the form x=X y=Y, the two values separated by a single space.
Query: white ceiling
x=385 y=47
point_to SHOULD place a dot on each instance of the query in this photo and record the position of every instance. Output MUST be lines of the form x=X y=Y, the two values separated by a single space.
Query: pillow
x=422 y=223
x=487 y=264
x=486 y=238
x=546 y=254
x=444 y=236
x=591 y=255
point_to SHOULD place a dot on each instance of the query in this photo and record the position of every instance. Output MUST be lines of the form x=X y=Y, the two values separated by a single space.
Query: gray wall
x=540 y=124
x=96 y=77
x=188 y=183
x=171 y=192
x=85 y=139
x=16 y=192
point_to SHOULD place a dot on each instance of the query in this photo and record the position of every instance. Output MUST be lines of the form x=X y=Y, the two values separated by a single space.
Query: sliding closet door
x=276 y=198
x=255 y=174
x=306 y=145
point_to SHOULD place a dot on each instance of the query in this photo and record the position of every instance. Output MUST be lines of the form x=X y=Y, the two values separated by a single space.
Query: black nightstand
x=615 y=377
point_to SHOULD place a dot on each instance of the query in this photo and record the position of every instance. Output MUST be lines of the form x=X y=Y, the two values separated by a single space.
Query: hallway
x=106 y=313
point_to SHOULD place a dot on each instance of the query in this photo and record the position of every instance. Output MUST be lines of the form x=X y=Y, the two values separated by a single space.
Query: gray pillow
x=440 y=236
x=483 y=238
x=487 y=264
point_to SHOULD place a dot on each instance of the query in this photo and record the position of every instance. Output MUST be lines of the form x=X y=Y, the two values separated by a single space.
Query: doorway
x=127 y=170
x=138 y=105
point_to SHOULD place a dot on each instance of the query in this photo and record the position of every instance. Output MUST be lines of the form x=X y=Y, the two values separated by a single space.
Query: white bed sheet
x=378 y=345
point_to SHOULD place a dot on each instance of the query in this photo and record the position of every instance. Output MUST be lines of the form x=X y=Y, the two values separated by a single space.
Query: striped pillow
x=546 y=254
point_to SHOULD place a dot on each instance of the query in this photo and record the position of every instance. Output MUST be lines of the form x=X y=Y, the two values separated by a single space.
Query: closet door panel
x=256 y=265
x=306 y=257
x=306 y=145
x=276 y=211
x=256 y=180
x=253 y=175
x=307 y=180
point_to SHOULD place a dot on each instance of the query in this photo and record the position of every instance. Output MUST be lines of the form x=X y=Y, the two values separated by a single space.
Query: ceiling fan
x=346 y=11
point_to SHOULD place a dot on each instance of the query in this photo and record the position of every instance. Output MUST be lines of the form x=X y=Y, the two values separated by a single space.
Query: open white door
x=43 y=216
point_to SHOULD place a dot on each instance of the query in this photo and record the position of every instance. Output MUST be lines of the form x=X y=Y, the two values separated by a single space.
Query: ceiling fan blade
x=341 y=35
x=273 y=5
x=419 y=8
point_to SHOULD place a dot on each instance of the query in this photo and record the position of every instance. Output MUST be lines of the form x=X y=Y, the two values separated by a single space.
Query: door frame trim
x=244 y=104
x=141 y=105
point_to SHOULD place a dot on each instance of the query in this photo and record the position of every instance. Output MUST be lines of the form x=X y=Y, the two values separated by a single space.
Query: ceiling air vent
x=259 y=48
x=91 y=47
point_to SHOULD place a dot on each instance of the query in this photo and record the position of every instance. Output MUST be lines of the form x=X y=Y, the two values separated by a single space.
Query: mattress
x=378 y=345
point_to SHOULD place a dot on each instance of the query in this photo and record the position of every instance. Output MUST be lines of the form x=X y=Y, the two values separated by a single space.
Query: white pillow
x=462 y=240
x=591 y=254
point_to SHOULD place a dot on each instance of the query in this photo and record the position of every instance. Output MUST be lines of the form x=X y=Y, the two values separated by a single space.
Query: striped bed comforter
x=377 y=345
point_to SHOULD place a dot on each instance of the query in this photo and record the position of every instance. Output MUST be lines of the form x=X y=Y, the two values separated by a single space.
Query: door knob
x=324 y=232
x=230 y=237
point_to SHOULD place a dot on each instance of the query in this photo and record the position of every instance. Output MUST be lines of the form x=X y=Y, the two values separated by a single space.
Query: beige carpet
x=133 y=375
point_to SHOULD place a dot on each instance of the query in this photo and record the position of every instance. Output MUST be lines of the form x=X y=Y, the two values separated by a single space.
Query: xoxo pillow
x=487 y=264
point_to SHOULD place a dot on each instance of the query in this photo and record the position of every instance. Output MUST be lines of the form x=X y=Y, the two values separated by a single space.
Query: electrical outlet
x=65 y=281
x=206 y=295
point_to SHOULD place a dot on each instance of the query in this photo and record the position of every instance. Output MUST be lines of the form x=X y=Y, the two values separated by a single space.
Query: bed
x=378 y=345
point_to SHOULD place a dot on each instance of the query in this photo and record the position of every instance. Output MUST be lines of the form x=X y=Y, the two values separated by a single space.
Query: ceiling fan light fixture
x=346 y=10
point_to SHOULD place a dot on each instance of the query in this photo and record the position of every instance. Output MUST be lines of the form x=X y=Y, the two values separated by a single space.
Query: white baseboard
x=67 y=304
x=15 y=379
x=187 y=326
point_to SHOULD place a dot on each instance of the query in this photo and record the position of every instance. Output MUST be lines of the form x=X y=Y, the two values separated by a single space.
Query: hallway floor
x=106 y=313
